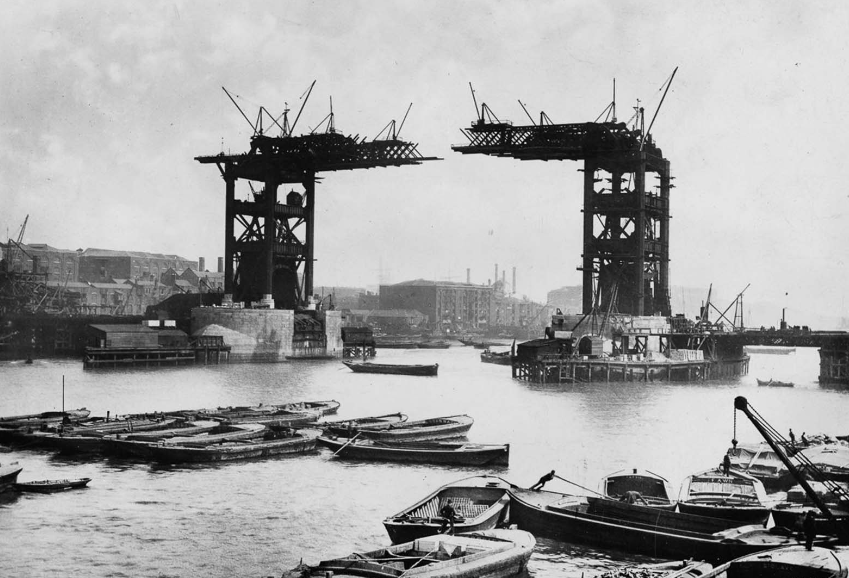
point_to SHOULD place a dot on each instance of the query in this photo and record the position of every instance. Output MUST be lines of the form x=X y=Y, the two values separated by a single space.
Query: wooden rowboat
x=437 y=428
x=50 y=486
x=291 y=442
x=377 y=422
x=489 y=554
x=480 y=503
x=392 y=368
x=457 y=453
x=788 y=561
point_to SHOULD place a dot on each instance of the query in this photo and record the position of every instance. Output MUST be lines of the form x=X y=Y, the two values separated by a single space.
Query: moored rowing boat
x=480 y=503
x=457 y=453
x=485 y=554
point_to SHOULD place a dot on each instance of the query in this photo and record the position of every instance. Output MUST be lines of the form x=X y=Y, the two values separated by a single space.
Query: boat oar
x=580 y=486
x=346 y=443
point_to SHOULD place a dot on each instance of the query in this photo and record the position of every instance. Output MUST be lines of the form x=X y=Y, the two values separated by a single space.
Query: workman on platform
x=726 y=464
x=543 y=480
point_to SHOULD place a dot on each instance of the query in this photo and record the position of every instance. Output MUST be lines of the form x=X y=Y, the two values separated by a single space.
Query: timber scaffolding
x=204 y=349
x=673 y=352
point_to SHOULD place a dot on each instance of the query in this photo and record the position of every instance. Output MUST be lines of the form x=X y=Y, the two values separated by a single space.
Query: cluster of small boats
x=427 y=542
x=233 y=433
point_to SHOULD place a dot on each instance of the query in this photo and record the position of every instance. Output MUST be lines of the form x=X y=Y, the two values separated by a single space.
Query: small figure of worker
x=448 y=514
x=805 y=441
x=809 y=526
x=543 y=480
x=792 y=438
x=633 y=497
x=726 y=464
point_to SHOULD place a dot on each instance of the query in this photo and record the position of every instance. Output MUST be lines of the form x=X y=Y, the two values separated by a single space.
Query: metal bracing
x=625 y=242
x=269 y=243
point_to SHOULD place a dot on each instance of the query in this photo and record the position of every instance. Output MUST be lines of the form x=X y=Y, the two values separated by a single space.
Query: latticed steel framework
x=269 y=244
x=626 y=224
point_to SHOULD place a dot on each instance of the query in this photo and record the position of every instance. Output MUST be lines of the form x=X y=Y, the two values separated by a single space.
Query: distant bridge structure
x=269 y=245
x=625 y=260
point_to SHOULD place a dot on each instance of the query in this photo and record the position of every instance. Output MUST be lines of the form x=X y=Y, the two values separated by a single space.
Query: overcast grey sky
x=104 y=106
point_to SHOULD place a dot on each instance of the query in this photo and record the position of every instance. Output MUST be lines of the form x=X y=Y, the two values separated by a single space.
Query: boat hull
x=489 y=554
x=464 y=454
x=546 y=514
x=421 y=430
x=392 y=369
x=481 y=502
x=52 y=486
x=9 y=475
x=231 y=451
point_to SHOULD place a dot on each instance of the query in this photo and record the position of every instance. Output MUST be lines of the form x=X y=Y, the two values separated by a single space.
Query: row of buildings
x=108 y=282
x=103 y=281
x=441 y=307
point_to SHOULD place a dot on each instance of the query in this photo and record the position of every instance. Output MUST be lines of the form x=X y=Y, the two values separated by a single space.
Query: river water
x=259 y=518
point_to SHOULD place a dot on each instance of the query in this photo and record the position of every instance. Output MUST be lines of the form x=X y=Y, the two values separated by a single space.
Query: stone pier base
x=254 y=335
x=266 y=335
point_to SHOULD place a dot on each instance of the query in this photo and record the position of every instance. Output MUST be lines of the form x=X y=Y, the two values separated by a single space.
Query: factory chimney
x=468 y=276
x=514 y=280
x=496 y=273
x=201 y=264
x=221 y=264
x=504 y=281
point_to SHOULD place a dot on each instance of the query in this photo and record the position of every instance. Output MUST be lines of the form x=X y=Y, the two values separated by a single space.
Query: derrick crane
x=780 y=446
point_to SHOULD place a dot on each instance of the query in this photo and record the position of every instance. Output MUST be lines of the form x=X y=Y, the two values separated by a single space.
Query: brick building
x=56 y=264
x=449 y=306
x=100 y=265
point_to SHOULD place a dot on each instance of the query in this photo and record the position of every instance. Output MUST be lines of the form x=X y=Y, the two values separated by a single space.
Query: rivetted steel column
x=309 y=248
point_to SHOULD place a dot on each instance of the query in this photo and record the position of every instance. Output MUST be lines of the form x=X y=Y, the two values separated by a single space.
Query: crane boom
x=775 y=441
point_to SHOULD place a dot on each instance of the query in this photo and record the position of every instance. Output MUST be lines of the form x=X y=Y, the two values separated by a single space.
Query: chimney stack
x=201 y=264
x=504 y=281
x=221 y=264
x=468 y=276
x=496 y=273
x=514 y=280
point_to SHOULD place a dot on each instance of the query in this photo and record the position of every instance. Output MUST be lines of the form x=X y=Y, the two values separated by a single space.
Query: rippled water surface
x=259 y=518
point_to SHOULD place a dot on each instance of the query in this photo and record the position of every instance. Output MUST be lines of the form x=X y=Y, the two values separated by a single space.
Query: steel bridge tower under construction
x=625 y=261
x=269 y=244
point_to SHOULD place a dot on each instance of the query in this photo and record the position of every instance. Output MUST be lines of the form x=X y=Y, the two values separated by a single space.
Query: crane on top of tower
x=286 y=130
x=647 y=133
x=389 y=129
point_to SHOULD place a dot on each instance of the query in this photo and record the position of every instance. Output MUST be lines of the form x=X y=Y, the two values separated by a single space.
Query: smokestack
x=201 y=264
x=221 y=264
x=503 y=280
x=496 y=273
x=468 y=276
x=514 y=280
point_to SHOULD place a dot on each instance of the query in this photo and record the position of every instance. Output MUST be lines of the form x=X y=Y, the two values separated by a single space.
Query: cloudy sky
x=104 y=106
